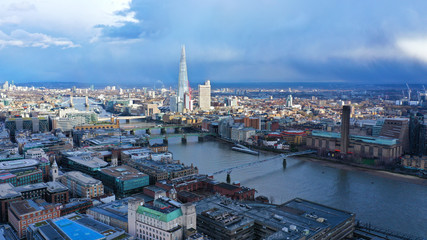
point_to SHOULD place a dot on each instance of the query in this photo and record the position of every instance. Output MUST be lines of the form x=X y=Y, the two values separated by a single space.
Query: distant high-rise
x=6 y=85
x=183 y=84
x=345 y=128
x=205 y=96
x=289 y=101
x=184 y=93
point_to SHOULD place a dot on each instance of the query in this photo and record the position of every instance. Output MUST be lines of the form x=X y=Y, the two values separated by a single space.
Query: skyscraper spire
x=182 y=101
x=183 y=77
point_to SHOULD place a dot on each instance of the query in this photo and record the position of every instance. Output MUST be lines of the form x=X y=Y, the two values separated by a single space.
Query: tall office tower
x=173 y=103
x=289 y=101
x=205 y=96
x=345 y=128
x=183 y=84
x=188 y=103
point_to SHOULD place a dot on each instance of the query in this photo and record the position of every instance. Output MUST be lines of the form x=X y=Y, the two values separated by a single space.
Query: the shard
x=183 y=85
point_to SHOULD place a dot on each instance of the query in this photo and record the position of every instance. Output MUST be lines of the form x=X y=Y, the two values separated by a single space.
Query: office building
x=289 y=101
x=114 y=214
x=82 y=185
x=84 y=161
x=7 y=233
x=123 y=180
x=34 y=124
x=183 y=83
x=182 y=101
x=205 y=96
x=157 y=170
x=8 y=194
x=195 y=187
x=36 y=153
x=76 y=227
x=57 y=193
x=149 y=109
x=173 y=103
x=52 y=192
x=23 y=172
x=80 y=205
x=163 y=219
x=223 y=218
x=23 y=213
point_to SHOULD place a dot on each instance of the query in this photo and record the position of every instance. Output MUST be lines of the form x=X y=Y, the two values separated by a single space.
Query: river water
x=389 y=203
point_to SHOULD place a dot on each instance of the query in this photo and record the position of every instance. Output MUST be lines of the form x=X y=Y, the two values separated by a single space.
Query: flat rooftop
x=76 y=231
x=25 y=206
x=80 y=177
x=159 y=166
x=305 y=217
x=31 y=187
x=16 y=164
x=366 y=139
x=91 y=162
x=54 y=187
x=123 y=172
x=78 y=227
x=117 y=209
x=7 y=191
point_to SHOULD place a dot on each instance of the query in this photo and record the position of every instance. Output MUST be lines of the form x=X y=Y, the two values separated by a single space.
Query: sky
x=128 y=42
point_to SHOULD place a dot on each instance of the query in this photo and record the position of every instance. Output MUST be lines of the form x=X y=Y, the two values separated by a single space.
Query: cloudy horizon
x=138 y=42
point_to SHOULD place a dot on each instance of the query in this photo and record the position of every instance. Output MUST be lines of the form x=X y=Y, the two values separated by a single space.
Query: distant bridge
x=161 y=127
x=264 y=160
x=89 y=99
x=122 y=118
x=181 y=135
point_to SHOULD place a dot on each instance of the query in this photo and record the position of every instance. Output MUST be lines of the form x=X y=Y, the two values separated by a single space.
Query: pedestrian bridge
x=281 y=156
x=183 y=136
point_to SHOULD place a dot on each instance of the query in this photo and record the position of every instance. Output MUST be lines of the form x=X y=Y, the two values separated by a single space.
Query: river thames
x=386 y=202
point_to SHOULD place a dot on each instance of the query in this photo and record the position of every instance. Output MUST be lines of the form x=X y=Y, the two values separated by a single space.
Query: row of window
x=40 y=218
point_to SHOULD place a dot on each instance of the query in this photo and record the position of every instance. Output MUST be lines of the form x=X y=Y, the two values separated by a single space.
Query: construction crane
x=409 y=92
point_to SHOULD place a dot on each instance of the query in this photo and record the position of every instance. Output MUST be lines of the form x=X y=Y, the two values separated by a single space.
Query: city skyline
x=136 y=42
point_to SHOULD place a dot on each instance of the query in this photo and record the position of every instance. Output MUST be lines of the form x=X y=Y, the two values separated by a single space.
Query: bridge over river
x=282 y=156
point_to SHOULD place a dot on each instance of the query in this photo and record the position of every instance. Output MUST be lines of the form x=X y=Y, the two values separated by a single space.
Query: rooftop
x=77 y=227
x=76 y=231
x=31 y=187
x=292 y=220
x=25 y=206
x=80 y=177
x=164 y=209
x=7 y=191
x=91 y=162
x=366 y=139
x=228 y=186
x=10 y=165
x=123 y=172
x=117 y=209
x=55 y=187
